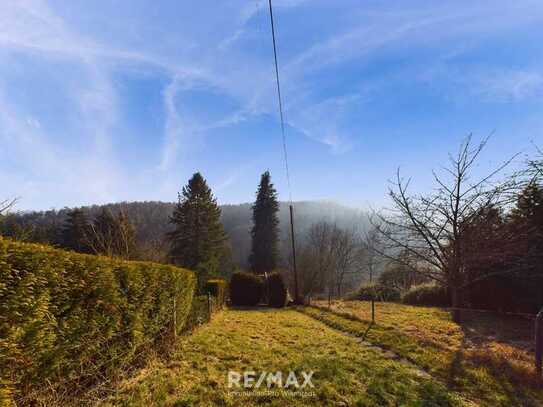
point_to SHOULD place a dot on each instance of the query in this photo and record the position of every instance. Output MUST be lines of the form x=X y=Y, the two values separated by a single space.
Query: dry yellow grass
x=346 y=371
x=486 y=357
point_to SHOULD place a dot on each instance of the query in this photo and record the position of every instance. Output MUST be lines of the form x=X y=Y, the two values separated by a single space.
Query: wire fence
x=537 y=320
x=94 y=378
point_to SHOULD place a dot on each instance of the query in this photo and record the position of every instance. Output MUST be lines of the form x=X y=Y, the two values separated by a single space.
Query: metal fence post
x=539 y=342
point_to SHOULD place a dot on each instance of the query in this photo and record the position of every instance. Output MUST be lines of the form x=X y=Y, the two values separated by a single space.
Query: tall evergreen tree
x=530 y=205
x=265 y=232
x=75 y=232
x=527 y=218
x=197 y=241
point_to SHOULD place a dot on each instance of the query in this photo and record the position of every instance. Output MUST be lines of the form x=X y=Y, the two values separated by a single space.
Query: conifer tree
x=265 y=232
x=528 y=217
x=75 y=232
x=530 y=204
x=197 y=241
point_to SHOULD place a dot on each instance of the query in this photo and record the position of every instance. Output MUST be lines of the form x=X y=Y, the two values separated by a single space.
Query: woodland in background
x=150 y=222
x=477 y=239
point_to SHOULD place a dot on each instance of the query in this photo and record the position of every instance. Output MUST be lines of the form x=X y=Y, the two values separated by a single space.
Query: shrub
x=277 y=290
x=376 y=292
x=64 y=313
x=217 y=288
x=245 y=289
x=429 y=294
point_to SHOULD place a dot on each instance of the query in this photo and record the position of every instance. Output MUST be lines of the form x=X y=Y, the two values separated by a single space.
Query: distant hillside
x=151 y=220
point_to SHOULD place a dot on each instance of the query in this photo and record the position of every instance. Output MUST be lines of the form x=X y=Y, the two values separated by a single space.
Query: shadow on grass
x=512 y=379
x=482 y=364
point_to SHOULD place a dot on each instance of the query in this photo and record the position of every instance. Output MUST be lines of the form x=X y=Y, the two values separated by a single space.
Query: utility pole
x=296 y=292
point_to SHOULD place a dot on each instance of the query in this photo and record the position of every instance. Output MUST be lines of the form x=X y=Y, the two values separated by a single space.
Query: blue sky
x=104 y=101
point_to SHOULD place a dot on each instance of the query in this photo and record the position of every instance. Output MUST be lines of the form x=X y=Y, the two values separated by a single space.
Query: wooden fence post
x=539 y=342
x=209 y=310
x=174 y=318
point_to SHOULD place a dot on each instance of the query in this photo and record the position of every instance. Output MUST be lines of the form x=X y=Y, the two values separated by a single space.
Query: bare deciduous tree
x=370 y=258
x=112 y=236
x=328 y=256
x=345 y=248
x=316 y=258
x=6 y=205
x=429 y=228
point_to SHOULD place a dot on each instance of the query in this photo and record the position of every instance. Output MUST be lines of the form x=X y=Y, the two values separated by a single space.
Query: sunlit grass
x=346 y=372
x=486 y=358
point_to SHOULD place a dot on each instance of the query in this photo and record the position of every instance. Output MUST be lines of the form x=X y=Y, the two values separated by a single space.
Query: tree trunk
x=539 y=343
x=455 y=302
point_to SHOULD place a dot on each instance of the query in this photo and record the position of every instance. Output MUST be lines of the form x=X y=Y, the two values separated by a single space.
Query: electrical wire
x=281 y=115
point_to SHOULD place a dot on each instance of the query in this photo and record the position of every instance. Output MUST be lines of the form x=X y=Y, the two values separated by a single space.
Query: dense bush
x=246 y=289
x=277 y=290
x=217 y=288
x=376 y=292
x=429 y=294
x=64 y=314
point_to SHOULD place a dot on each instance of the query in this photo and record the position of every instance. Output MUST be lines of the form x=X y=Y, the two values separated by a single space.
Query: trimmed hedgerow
x=277 y=290
x=217 y=288
x=199 y=312
x=67 y=317
x=429 y=294
x=376 y=292
x=246 y=289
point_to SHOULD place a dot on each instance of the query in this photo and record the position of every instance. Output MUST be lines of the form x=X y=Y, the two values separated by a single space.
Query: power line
x=291 y=210
x=281 y=115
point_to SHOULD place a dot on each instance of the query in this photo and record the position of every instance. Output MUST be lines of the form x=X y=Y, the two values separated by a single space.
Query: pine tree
x=527 y=216
x=197 y=241
x=75 y=232
x=530 y=205
x=265 y=232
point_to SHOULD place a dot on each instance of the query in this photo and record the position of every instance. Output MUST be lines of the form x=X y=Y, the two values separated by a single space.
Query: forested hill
x=151 y=221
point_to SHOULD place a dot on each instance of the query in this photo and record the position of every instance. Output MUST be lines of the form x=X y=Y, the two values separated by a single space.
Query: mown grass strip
x=278 y=340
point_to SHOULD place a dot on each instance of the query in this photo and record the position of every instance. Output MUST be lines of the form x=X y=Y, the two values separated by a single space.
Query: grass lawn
x=486 y=358
x=347 y=372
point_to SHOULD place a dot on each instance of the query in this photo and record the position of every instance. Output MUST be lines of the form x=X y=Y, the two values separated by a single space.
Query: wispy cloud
x=225 y=49
x=510 y=85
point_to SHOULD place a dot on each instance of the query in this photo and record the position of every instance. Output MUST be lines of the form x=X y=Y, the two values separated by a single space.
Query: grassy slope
x=346 y=372
x=472 y=358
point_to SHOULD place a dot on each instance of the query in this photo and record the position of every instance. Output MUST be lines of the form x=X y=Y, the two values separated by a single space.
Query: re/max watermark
x=285 y=384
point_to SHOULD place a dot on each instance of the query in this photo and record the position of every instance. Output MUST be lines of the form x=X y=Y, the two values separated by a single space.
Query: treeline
x=151 y=224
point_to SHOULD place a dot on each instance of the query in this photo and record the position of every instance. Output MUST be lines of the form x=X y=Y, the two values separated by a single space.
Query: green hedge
x=217 y=288
x=64 y=314
x=277 y=290
x=246 y=289
x=429 y=294
x=376 y=292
